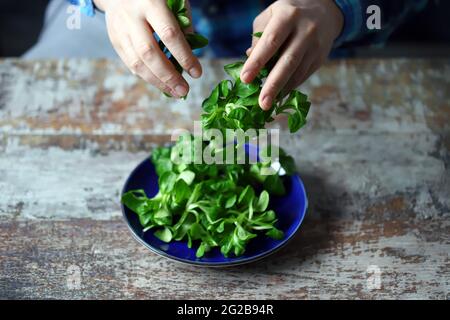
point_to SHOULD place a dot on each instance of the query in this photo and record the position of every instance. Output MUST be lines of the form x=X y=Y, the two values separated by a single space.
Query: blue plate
x=290 y=210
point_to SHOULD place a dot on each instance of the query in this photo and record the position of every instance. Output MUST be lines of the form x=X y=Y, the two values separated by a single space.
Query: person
x=302 y=31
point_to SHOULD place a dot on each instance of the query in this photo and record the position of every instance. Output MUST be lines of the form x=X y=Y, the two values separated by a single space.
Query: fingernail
x=245 y=75
x=266 y=103
x=195 y=72
x=181 y=90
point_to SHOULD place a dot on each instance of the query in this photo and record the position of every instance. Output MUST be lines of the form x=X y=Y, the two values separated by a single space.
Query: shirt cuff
x=86 y=6
x=353 y=14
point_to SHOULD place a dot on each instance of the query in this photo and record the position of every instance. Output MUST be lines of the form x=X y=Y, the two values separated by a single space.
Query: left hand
x=303 y=31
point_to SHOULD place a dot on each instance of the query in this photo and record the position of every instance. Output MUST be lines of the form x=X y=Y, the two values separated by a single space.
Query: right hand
x=131 y=24
x=303 y=32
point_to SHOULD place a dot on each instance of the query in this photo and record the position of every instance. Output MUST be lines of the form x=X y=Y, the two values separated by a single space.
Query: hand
x=131 y=24
x=302 y=31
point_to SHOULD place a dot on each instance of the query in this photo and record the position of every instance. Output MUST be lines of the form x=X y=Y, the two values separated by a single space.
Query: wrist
x=337 y=18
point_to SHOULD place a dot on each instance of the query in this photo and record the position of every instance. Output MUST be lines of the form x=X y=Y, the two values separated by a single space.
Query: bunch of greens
x=195 y=40
x=219 y=205
x=235 y=105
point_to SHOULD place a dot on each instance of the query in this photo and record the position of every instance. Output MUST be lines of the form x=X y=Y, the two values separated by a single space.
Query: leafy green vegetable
x=196 y=41
x=167 y=181
x=233 y=104
x=217 y=208
x=234 y=69
x=178 y=8
x=188 y=176
x=275 y=234
x=164 y=234
x=220 y=205
x=263 y=202
x=274 y=185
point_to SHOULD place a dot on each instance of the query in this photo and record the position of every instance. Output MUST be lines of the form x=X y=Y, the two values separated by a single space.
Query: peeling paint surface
x=374 y=157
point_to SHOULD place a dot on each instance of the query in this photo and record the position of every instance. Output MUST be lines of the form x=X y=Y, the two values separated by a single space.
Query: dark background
x=20 y=25
x=426 y=35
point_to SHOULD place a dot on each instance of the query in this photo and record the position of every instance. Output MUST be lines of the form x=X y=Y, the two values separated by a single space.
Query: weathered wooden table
x=375 y=159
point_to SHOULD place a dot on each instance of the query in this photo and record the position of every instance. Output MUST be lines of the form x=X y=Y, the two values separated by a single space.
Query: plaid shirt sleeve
x=393 y=13
x=86 y=6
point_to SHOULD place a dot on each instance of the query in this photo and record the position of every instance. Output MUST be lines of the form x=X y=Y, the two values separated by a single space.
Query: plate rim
x=209 y=264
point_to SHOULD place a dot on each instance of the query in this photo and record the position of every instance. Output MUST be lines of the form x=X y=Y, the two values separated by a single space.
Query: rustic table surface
x=374 y=157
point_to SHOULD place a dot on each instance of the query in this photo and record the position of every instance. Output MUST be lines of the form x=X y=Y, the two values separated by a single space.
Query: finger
x=260 y=23
x=113 y=35
x=313 y=68
x=168 y=30
x=276 y=32
x=138 y=67
x=124 y=48
x=248 y=52
x=283 y=70
x=148 y=50
x=309 y=64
